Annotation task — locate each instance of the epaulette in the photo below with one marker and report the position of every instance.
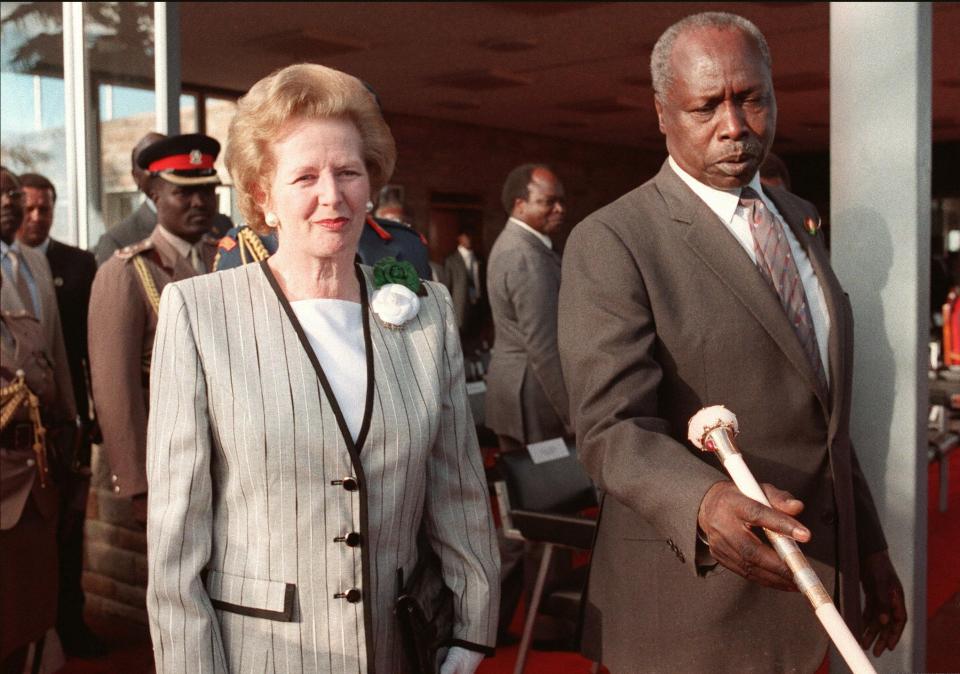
(384, 223)
(128, 252)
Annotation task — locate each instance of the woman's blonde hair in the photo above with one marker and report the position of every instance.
(302, 90)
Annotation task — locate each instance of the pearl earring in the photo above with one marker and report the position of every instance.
(369, 206)
(271, 219)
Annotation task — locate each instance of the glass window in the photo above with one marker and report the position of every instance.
(119, 37)
(219, 112)
(32, 135)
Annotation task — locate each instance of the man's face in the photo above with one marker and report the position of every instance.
(38, 216)
(544, 208)
(186, 211)
(720, 114)
(11, 207)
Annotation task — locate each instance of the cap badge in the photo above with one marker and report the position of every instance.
(196, 157)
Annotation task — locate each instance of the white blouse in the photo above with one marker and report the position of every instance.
(334, 329)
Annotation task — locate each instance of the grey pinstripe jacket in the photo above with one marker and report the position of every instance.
(255, 484)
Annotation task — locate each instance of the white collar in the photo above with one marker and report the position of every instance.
(722, 202)
(465, 252)
(544, 239)
(180, 245)
(43, 246)
(149, 202)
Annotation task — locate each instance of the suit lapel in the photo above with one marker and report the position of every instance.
(723, 255)
(353, 448)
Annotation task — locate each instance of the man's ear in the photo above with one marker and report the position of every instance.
(517, 203)
(659, 108)
(153, 190)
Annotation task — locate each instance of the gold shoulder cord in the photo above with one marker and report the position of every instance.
(146, 280)
(14, 396)
(153, 296)
(249, 240)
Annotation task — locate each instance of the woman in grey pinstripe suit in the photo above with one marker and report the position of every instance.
(297, 441)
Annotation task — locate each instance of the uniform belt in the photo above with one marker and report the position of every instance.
(17, 436)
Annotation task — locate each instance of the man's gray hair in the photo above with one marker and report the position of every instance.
(660, 71)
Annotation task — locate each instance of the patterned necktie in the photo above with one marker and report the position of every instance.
(776, 264)
(20, 280)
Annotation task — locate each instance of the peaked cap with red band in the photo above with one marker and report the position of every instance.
(182, 160)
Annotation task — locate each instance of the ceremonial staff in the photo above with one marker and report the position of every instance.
(712, 429)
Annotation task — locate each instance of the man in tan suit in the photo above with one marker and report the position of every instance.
(126, 296)
(33, 362)
(700, 287)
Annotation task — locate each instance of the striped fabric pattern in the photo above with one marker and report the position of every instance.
(246, 452)
(778, 267)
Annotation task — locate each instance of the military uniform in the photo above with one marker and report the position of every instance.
(241, 245)
(380, 238)
(38, 421)
(123, 310)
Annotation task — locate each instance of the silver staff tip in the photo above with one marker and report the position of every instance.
(709, 419)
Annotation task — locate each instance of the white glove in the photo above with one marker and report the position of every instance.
(461, 661)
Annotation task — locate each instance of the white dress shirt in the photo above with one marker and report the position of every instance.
(334, 329)
(726, 204)
(473, 268)
(544, 239)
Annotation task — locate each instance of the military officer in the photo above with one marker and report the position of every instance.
(126, 296)
(380, 238)
(37, 428)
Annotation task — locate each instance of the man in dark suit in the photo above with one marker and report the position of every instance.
(73, 270)
(463, 274)
(701, 287)
(140, 224)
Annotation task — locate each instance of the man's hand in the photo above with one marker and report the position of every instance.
(727, 518)
(884, 611)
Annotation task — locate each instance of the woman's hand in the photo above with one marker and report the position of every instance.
(461, 661)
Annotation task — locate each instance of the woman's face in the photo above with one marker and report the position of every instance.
(320, 187)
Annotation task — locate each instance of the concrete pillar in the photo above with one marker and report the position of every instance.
(880, 56)
(166, 37)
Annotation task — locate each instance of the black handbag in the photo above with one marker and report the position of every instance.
(424, 609)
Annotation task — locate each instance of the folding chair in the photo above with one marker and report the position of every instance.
(539, 503)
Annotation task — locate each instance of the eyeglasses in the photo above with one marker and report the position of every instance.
(13, 195)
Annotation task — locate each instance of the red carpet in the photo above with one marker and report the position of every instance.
(131, 644)
(943, 539)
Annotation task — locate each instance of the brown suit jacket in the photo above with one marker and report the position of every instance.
(661, 313)
(526, 397)
(122, 323)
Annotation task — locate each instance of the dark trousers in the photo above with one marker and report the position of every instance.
(73, 509)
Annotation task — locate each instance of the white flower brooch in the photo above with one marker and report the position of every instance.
(395, 299)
